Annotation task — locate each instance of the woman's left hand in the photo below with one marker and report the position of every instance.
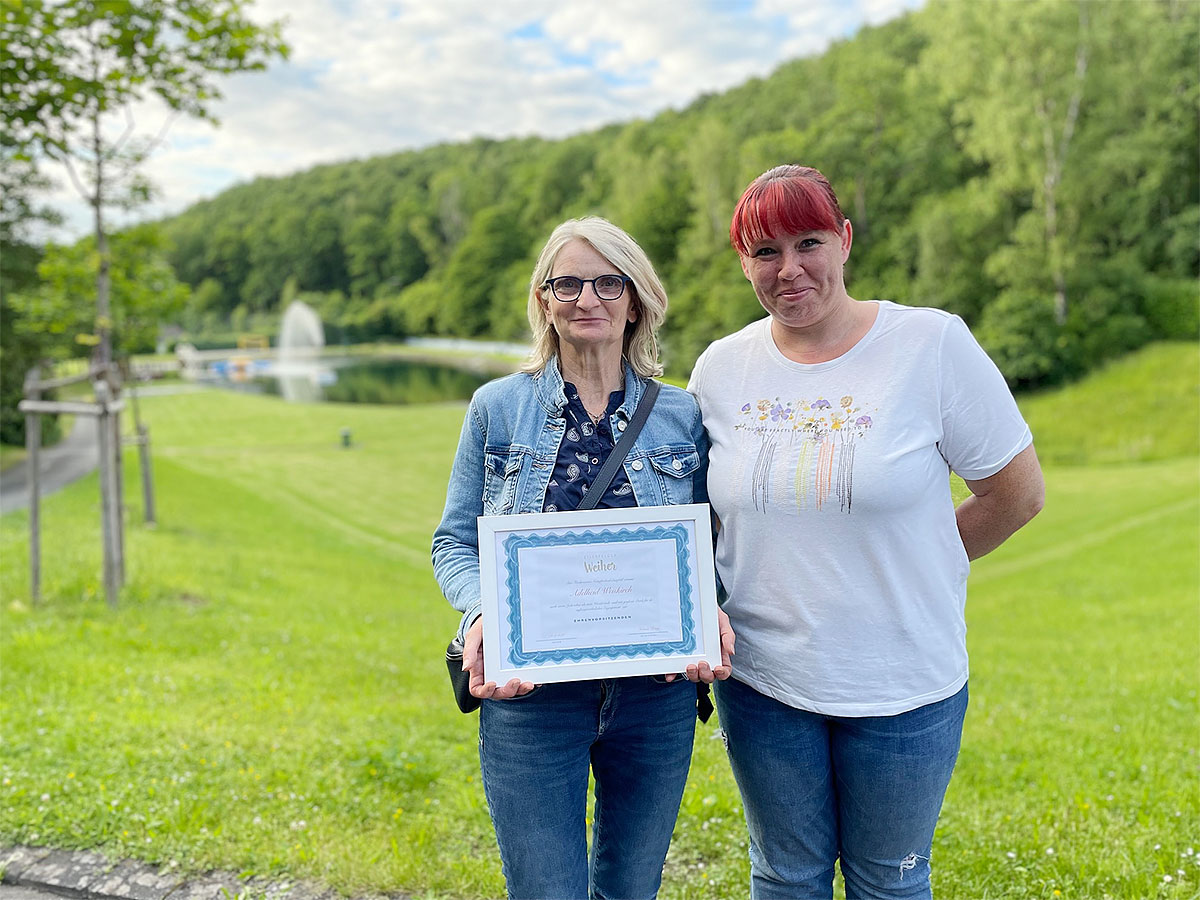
(702, 671)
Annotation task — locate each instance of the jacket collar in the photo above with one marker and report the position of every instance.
(548, 387)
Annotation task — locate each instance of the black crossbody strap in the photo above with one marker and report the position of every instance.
(621, 450)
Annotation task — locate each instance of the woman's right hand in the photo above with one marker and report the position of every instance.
(473, 663)
(701, 671)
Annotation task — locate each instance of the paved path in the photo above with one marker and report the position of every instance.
(65, 462)
(38, 873)
(73, 458)
(16, 892)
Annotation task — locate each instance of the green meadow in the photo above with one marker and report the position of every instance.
(270, 696)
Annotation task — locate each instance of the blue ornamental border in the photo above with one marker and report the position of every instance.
(517, 542)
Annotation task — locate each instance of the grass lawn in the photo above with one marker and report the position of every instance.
(1140, 407)
(270, 697)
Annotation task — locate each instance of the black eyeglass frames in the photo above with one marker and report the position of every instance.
(568, 288)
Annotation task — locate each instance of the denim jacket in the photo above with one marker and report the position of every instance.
(506, 453)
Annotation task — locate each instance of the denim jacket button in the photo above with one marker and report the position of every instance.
(676, 465)
(621, 425)
(636, 465)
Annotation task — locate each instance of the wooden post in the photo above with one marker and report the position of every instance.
(143, 441)
(118, 470)
(114, 382)
(109, 504)
(33, 443)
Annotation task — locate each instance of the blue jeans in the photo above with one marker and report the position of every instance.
(816, 788)
(636, 736)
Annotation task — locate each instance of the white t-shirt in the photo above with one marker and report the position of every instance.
(838, 545)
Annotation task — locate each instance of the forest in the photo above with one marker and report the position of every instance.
(1033, 167)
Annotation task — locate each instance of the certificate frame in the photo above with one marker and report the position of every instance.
(674, 542)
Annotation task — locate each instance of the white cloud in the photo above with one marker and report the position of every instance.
(367, 77)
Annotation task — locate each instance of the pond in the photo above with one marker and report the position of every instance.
(390, 382)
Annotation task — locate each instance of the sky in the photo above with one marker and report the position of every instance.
(370, 77)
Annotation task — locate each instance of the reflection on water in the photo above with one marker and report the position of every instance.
(390, 382)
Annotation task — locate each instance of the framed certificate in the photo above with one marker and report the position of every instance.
(605, 593)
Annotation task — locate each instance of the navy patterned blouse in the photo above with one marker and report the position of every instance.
(581, 455)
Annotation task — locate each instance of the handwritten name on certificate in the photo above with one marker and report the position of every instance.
(599, 595)
(604, 593)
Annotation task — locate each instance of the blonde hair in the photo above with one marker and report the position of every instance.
(640, 346)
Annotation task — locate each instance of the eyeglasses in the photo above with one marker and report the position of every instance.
(568, 288)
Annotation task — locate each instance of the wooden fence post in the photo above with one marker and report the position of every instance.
(110, 509)
(114, 382)
(143, 441)
(33, 444)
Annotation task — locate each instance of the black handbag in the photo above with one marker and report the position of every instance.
(460, 680)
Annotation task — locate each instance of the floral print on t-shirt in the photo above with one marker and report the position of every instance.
(824, 434)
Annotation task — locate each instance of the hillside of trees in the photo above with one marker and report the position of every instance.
(1032, 166)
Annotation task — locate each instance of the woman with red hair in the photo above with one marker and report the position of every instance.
(835, 424)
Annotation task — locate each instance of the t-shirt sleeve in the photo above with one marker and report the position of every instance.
(982, 429)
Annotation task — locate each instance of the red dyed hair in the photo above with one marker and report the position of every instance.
(788, 200)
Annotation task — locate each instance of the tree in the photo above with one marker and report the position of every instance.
(647, 191)
(1022, 112)
(20, 213)
(476, 269)
(710, 157)
(990, 154)
(144, 287)
(68, 67)
(1084, 115)
(19, 351)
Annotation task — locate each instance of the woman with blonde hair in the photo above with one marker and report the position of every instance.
(534, 442)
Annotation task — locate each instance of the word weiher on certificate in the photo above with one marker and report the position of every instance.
(597, 594)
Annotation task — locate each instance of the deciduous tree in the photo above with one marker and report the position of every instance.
(68, 68)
